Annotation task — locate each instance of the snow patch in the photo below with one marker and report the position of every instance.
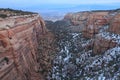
(111, 36)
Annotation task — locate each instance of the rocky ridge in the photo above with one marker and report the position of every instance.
(101, 26)
(89, 46)
(21, 37)
(84, 46)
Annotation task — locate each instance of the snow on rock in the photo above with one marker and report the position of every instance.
(75, 35)
(85, 43)
(113, 51)
(81, 65)
(111, 36)
(102, 29)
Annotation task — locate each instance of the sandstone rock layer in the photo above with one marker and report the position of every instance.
(103, 27)
(18, 47)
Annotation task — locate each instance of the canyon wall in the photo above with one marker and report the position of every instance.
(20, 38)
(89, 22)
(103, 27)
(27, 48)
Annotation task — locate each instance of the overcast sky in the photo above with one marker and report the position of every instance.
(23, 4)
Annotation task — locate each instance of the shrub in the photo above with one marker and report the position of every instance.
(3, 15)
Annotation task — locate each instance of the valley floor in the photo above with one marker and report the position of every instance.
(74, 62)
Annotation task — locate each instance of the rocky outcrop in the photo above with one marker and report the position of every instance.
(98, 26)
(94, 22)
(107, 36)
(47, 50)
(77, 18)
(93, 51)
(101, 44)
(27, 48)
(89, 22)
(115, 24)
(19, 43)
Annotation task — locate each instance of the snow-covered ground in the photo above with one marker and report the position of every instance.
(74, 63)
(111, 36)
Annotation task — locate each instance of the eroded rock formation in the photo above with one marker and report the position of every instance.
(21, 37)
(27, 48)
(90, 22)
(89, 47)
(115, 24)
(97, 25)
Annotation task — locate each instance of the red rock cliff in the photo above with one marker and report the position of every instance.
(90, 22)
(115, 24)
(103, 27)
(19, 37)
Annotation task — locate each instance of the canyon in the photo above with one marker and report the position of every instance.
(82, 46)
(25, 46)
(89, 44)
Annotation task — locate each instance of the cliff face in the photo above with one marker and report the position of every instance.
(19, 40)
(89, 44)
(98, 26)
(108, 36)
(90, 22)
(115, 24)
(27, 48)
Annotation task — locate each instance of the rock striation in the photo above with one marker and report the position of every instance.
(115, 24)
(27, 48)
(90, 22)
(89, 46)
(98, 26)
(19, 39)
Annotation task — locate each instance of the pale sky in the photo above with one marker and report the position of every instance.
(78, 1)
(26, 4)
(29, 2)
